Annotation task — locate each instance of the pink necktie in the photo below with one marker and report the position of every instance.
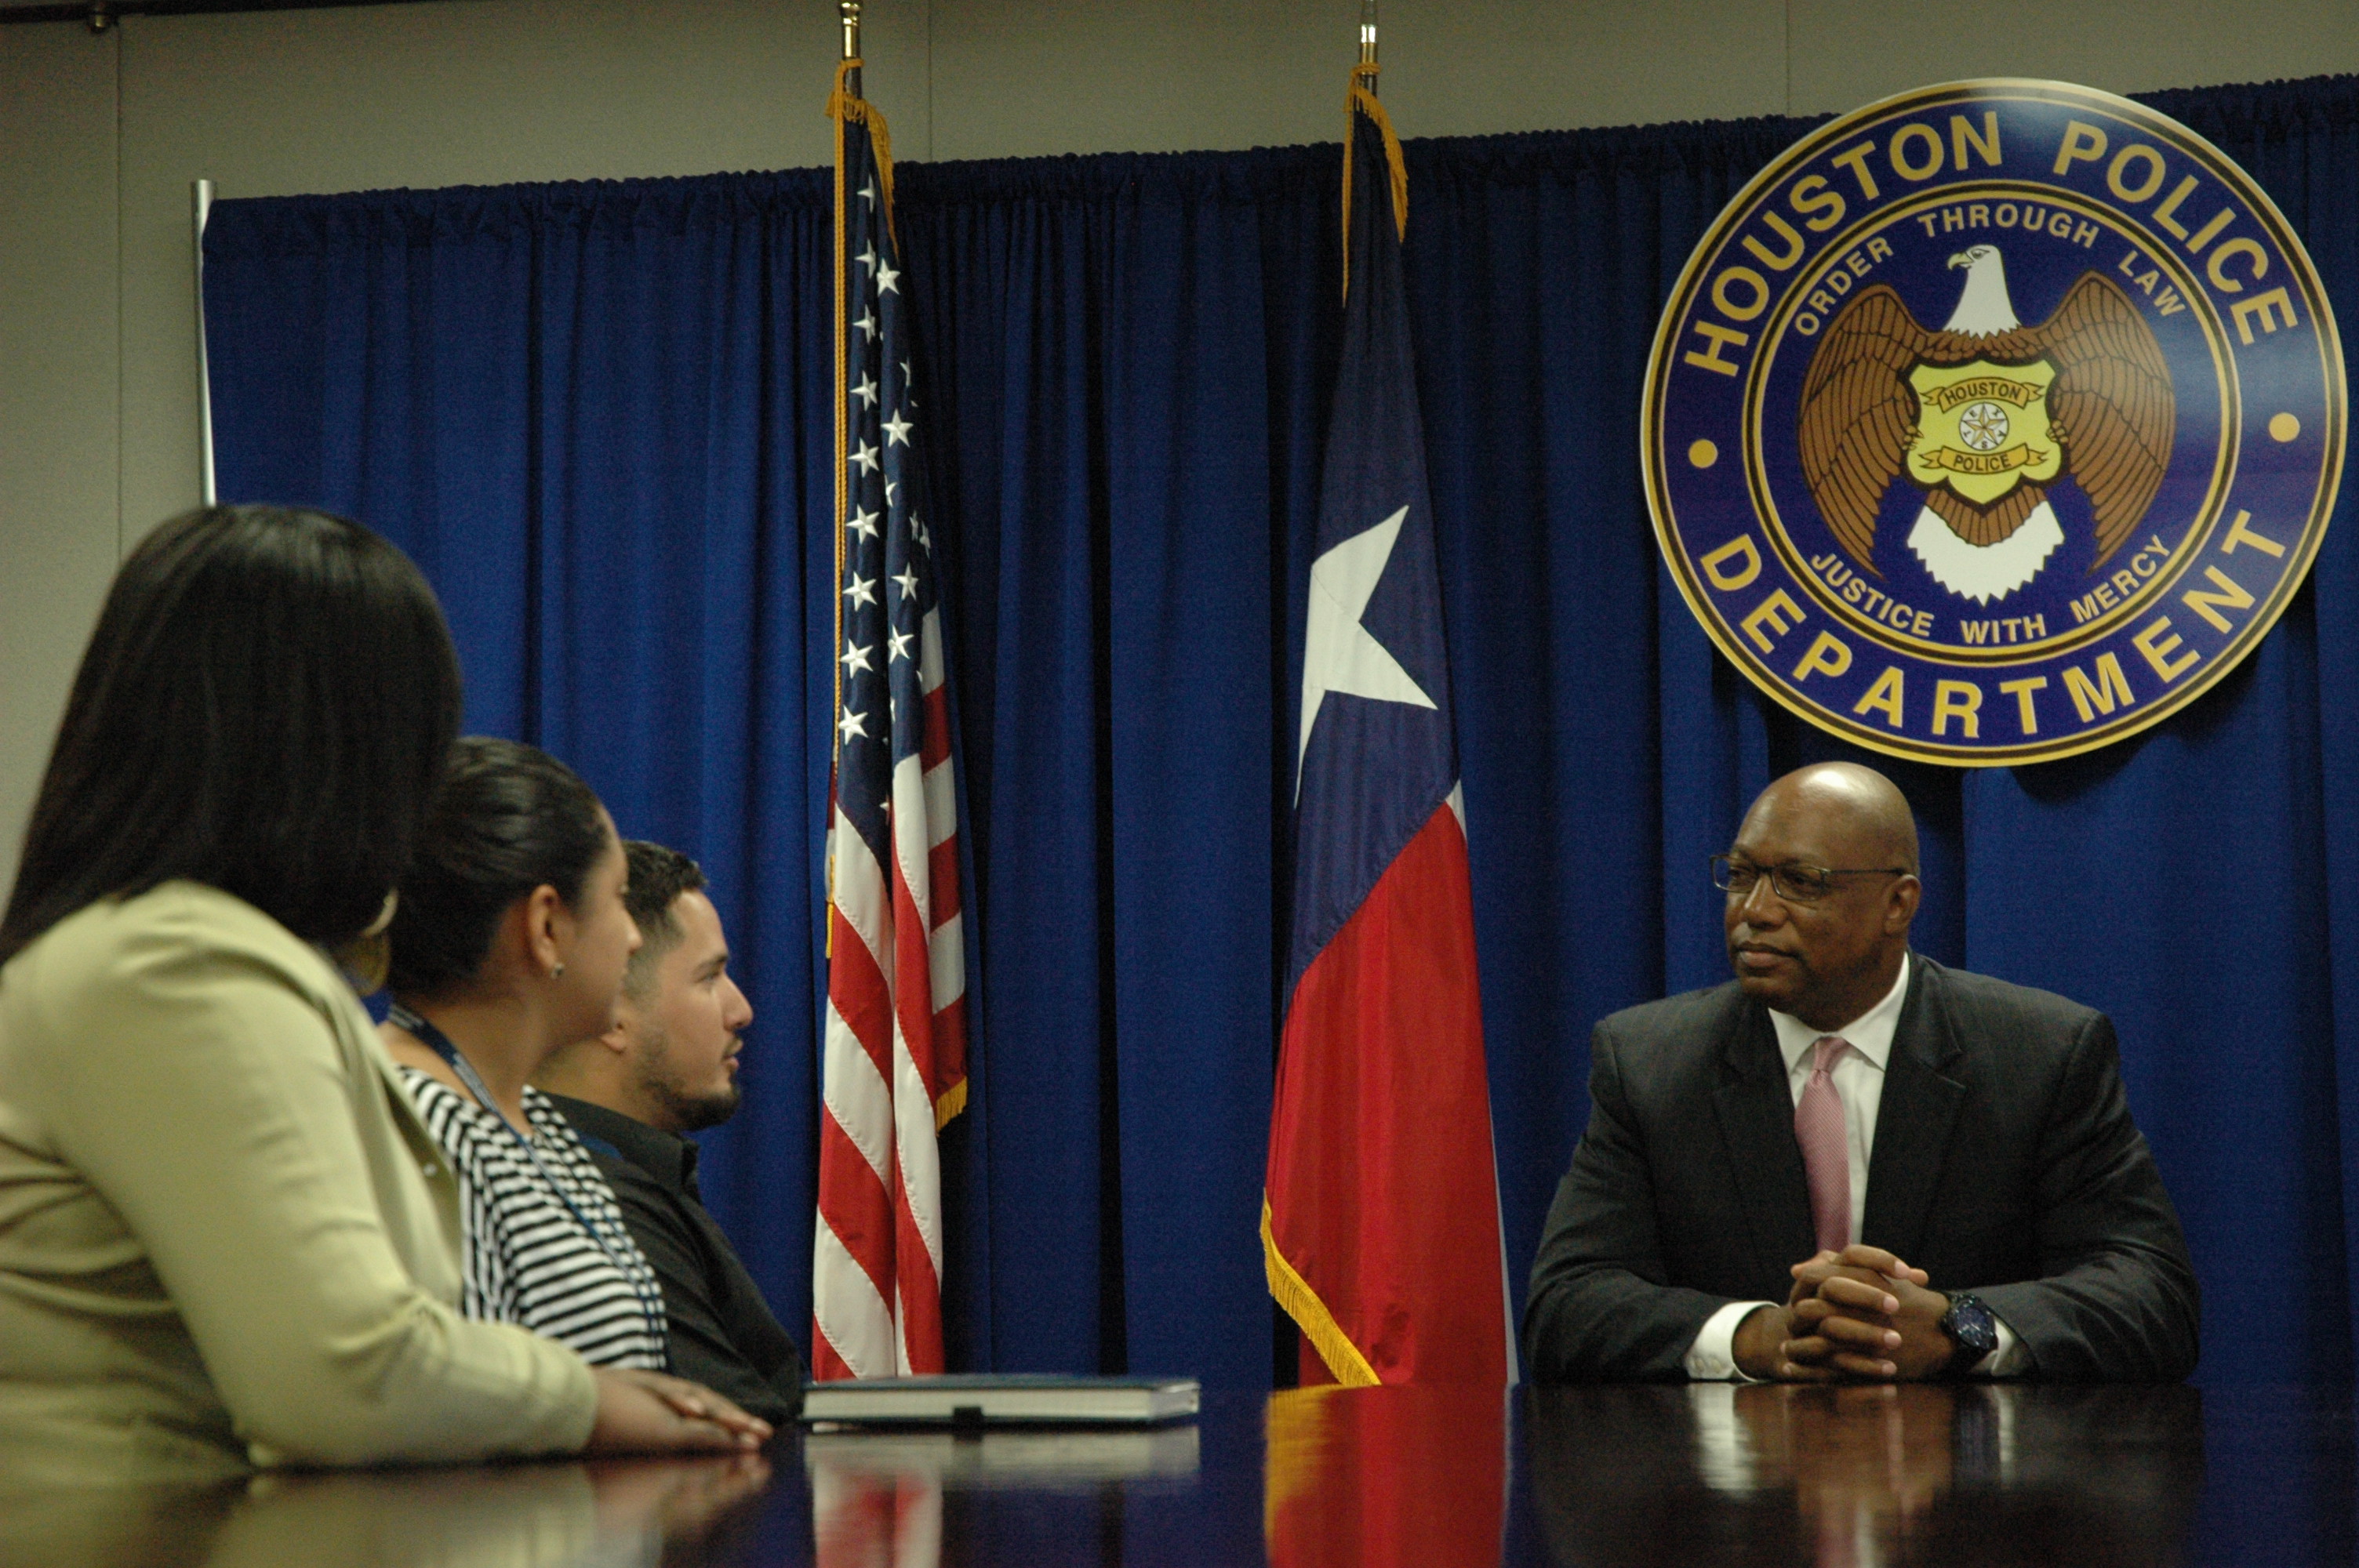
(1826, 1156)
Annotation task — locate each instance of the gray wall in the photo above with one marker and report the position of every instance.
(99, 137)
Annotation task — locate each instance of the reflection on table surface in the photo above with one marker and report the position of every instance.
(1927, 1473)
(1835, 1478)
(530, 1516)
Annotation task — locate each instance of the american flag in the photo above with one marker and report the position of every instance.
(896, 1052)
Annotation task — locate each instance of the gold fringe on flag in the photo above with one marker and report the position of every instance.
(953, 1101)
(1362, 99)
(1310, 1314)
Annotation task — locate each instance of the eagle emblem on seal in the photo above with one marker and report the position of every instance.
(1984, 415)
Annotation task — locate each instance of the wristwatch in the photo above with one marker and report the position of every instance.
(1972, 1329)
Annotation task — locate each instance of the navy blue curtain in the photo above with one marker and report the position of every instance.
(598, 416)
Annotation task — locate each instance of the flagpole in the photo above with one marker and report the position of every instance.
(848, 88)
(1363, 80)
(200, 206)
(850, 12)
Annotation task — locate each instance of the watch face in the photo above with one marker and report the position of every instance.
(1972, 1330)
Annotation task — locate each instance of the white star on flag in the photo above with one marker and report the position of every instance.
(1338, 653)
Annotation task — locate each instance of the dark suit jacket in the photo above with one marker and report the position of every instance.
(2006, 1163)
(720, 1331)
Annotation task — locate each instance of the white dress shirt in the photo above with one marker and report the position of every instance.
(1858, 1078)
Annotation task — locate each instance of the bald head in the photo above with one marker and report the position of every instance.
(1823, 886)
(1858, 813)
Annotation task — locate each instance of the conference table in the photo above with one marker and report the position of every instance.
(1848, 1477)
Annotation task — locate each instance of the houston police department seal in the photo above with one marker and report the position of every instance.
(1994, 422)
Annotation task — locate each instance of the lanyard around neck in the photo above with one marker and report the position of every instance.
(616, 1249)
(431, 1036)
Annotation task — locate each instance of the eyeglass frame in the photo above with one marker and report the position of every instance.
(1725, 866)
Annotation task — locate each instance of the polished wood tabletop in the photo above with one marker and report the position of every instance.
(1659, 1475)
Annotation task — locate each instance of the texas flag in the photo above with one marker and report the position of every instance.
(1380, 1217)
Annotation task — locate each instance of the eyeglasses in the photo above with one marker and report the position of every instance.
(1796, 882)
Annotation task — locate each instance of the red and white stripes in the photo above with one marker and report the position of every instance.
(895, 1070)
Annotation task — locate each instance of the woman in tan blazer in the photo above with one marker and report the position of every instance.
(226, 1240)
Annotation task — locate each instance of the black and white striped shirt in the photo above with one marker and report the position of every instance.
(528, 1259)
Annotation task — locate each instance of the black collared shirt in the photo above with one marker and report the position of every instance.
(722, 1334)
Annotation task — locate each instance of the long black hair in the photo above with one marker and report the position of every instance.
(508, 818)
(265, 706)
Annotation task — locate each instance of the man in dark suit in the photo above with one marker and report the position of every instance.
(1761, 1156)
(668, 1067)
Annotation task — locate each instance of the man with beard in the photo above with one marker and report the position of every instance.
(1761, 1156)
(668, 1067)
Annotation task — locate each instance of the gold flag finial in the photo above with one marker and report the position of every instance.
(1361, 99)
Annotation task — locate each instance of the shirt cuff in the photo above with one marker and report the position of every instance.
(1712, 1358)
(2011, 1359)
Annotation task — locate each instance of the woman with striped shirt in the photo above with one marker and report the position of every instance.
(508, 943)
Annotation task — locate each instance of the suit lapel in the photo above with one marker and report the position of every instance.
(1913, 1122)
(1756, 1125)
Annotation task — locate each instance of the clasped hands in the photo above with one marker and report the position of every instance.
(1857, 1316)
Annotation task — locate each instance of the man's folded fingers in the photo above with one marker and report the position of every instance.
(1804, 1372)
(1852, 1333)
(1867, 1366)
(1847, 1292)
